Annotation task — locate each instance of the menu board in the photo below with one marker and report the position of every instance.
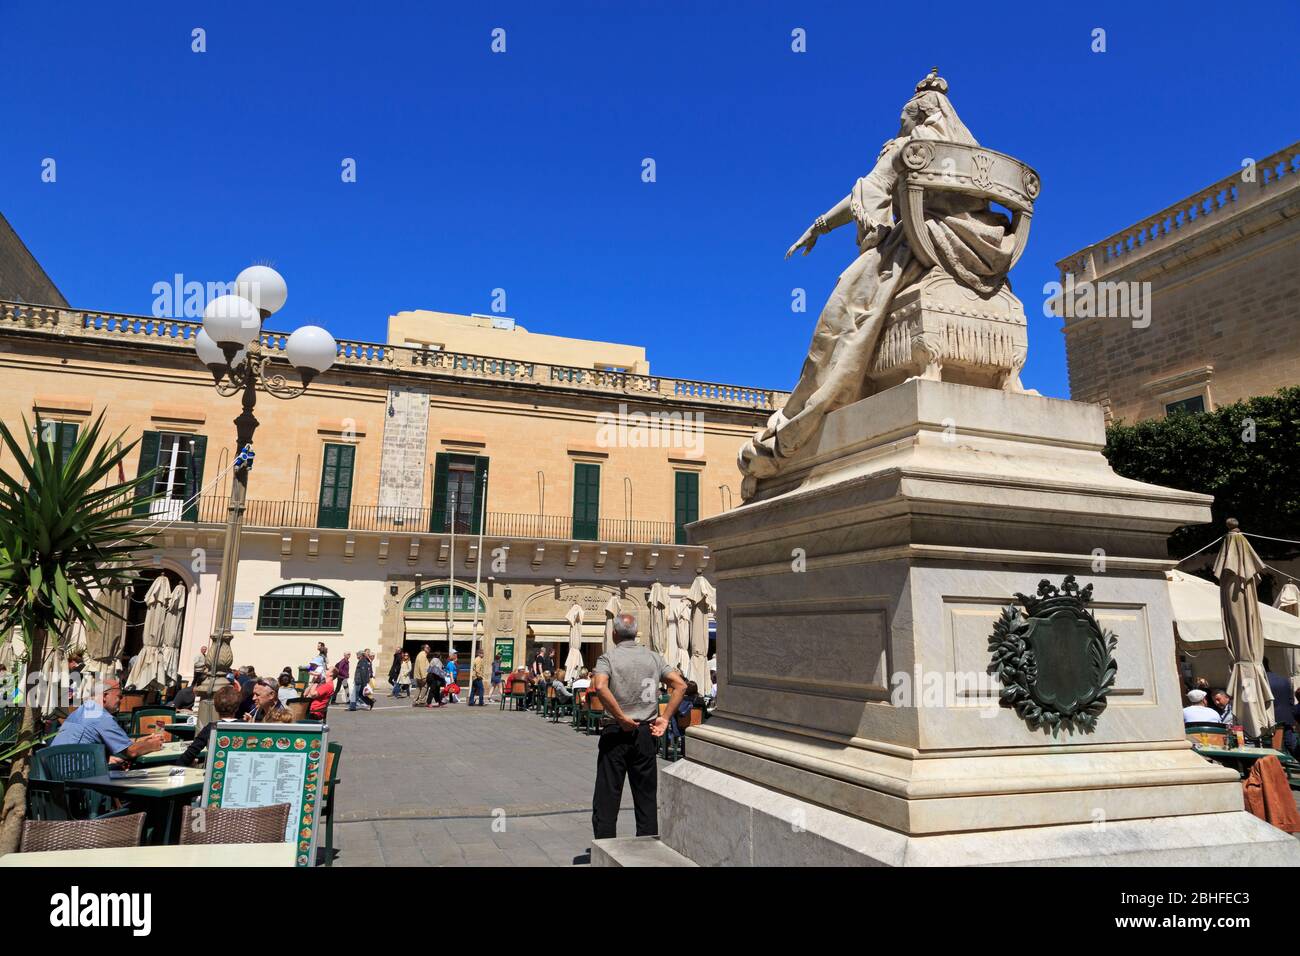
(260, 765)
(506, 649)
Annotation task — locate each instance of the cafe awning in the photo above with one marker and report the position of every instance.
(1198, 618)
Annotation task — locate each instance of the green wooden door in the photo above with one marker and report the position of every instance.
(586, 501)
(686, 502)
(336, 486)
(466, 477)
(194, 476)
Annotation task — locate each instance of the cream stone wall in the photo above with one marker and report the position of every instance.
(1223, 268)
(143, 375)
(476, 335)
(522, 431)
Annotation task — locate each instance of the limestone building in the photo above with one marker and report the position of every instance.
(579, 467)
(1193, 307)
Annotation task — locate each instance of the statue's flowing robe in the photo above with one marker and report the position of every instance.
(972, 242)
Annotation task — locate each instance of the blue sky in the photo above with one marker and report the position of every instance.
(522, 170)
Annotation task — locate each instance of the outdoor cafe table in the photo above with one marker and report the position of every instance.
(243, 855)
(170, 753)
(157, 793)
(180, 731)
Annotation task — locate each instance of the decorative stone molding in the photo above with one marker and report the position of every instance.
(62, 404)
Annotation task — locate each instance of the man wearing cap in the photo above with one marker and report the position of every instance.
(1196, 712)
(626, 678)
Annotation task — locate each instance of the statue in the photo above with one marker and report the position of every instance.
(928, 292)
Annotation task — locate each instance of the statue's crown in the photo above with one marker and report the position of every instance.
(933, 81)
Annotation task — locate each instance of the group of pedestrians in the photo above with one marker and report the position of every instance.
(437, 677)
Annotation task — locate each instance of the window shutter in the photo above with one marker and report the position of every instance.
(438, 519)
(194, 478)
(686, 502)
(586, 501)
(480, 493)
(67, 439)
(148, 464)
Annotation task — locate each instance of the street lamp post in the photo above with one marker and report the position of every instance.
(230, 346)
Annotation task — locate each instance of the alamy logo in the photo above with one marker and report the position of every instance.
(1103, 300)
(74, 908)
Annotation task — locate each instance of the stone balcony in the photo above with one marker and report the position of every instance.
(612, 549)
(1276, 180)
(178, 335)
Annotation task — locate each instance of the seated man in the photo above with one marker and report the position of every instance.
(1223, 704)
(562, 692)
(93, 723)
(1196, 712)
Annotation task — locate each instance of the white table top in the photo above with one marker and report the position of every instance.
(244, 855)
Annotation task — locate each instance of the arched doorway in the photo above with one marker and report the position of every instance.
(429, 611)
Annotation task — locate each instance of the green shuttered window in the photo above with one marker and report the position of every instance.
(336, 486)
(686, 502)
(586, 501)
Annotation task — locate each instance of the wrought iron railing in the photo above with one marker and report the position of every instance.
(262, 513)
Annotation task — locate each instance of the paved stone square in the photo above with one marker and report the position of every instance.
(424, 787)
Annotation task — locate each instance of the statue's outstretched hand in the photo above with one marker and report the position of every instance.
(806, 243)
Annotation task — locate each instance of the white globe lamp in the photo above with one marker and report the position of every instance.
(264, 287)
(311, 350)
(210, 354)
(231, 322)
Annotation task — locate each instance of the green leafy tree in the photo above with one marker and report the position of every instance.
(1246, 454)
(67, 532)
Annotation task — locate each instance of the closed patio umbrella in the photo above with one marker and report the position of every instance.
(1237, 568)
(151, 665)
(680, 648)
(573, 663)
(701, 597)
(612, 607)
(106, 635)
(1288, 602)
(173, 625)
(659, 619)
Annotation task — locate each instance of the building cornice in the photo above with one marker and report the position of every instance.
(394, 362)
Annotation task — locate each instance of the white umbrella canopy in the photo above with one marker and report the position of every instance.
(702, 598)
(1237, 568)
(659, 618)
(1198, 615)
(151, 666)
(612, 608)
(573, 663)
(1288, 599)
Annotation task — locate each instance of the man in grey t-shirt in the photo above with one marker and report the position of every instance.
(626, 678)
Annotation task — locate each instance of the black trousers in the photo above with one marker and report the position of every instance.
(631, 754)
(435, 690)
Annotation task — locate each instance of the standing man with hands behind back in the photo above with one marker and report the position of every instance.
(626, 678)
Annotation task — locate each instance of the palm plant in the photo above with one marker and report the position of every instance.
(66, 535)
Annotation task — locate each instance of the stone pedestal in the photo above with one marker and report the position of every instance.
(857, 593)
